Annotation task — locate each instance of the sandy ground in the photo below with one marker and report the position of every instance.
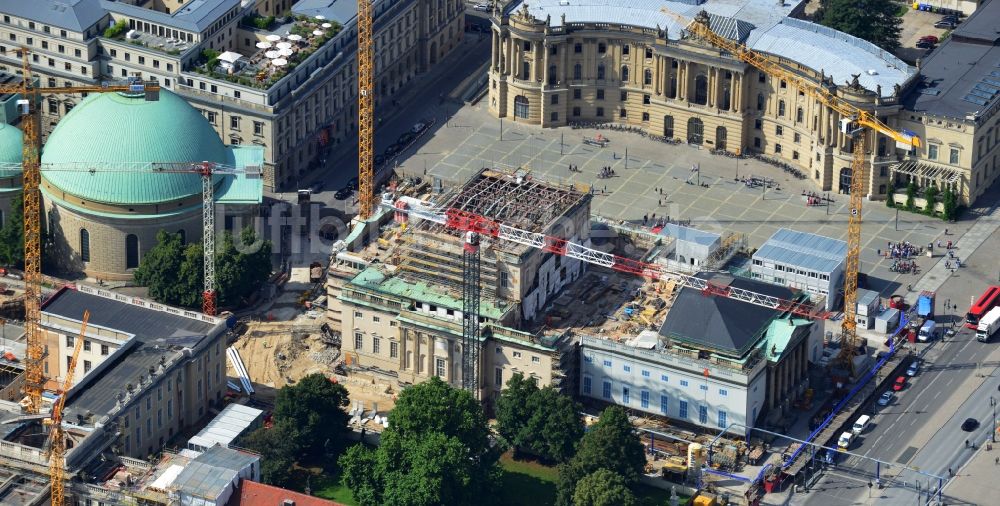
(278, 354)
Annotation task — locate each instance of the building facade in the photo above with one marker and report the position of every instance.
(802, 261)
(293, 113)
(557, 63)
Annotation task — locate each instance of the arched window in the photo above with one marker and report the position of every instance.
(647, 77)
(600, 71)
(84, 245)
(131, 251)
(577, 71)
(781, 108)
(799, 115)
(720, 138)
(668, 126)
(624, 73)
(183, 235)
(696, 131)
(521, 107)
(701, 89)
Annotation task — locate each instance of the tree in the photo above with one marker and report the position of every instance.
(890, 200)
(513, 407)
(314, 406)
(603, 488)
(949, 203)
(436, 450)
(241, 268)
(278, 449)
(871, 20)
(610, 444)
(12, 234)
(911, 195)
(159, 268)
(930, 196)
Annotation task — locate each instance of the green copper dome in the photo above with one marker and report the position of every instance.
(11, 142)
(110, 128)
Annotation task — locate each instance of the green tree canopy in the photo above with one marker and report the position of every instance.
(890, 199)
(436, 450)
(12, 234)
(541, 422)
(911, 195)
(159, 270)
(603, 488)
(610, 444)
(278, 450)
(315, 406)
(871, 20)
(241, 268)
(950, 204)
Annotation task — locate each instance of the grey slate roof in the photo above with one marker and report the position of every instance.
(961, 78)
(208, 474)
(721, 324)
(193, 16)
(74, 15)
(157, 335)
(802, 249)
(340, 11)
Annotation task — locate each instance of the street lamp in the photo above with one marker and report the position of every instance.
(993, 433)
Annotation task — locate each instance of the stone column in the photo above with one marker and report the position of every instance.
(713, 84)
(545, 82)
(682, 81)
(733, 86)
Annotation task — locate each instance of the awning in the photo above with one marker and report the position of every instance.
(926, 170)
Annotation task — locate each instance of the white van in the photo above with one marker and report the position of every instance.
(927, 331)
(860, 425)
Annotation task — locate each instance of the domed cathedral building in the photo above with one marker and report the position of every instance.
(11, 142)
(556, 62)
(101, 222)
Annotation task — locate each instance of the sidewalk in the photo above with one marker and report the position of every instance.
(976, 482)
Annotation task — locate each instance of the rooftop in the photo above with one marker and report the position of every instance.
(961, 78)
(802, 249)
(688, 234)
(226, 426)
(208, 474)
(422, 291)
(340, 11)
(194, 16)
(75, 15)
(762, 25)
(252, 493)
(160, 335)
(721, 324)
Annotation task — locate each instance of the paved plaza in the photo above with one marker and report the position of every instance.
(468, 138)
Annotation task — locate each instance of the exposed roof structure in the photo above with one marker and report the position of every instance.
(720, 324)
(135, 131)
(194, 16)
(75, 15)
(762, 25)
(961, 78)
(927, 170)
(210, 473)
(252, 493)
(159, 337)
(802, 249)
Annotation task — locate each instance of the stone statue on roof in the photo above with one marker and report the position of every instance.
(525, 14)
(855, 83)
(878, 90)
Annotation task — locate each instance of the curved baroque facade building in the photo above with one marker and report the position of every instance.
(556, 62)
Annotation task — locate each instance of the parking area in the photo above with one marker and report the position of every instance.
(656, 180)
(917, 24)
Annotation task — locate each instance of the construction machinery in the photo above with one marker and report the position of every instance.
(854, 122)
(32, 210)
(366, 110)
(57, 438)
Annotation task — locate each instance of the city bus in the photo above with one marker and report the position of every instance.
(989, 300)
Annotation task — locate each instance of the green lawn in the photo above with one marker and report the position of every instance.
(323, 483)
(530, 483)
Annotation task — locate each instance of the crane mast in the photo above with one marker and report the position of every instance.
(366, 110)
(57, 438)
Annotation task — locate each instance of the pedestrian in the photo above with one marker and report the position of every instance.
(996, 462)
(605, 188)
(966, 443)
(659, 202)
(950, 472)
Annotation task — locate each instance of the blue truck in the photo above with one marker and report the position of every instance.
(925, 304)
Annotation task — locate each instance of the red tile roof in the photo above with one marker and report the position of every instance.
(252, 493)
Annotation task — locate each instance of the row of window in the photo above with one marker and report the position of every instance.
(953, 153)
(71, 343)
(607, 363)
(131, 248)
(32, 26)
(644, 400)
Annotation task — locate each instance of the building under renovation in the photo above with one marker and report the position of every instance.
(399, 301)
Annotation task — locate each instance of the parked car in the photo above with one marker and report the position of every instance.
(405, 138)
(886, 398)
(343, 193)
(924, 44)
(391, 150)
(930, 38)
(482, 8)
(899, 384)
(353, 183)
(947, 25)
(379, 160)
(970, 424)
(913, 369)
(418, 127)
(950, 17)
(317, 187)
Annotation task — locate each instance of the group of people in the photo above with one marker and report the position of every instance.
(574, 168)
(813, 198)
(901, 250)
(606, 172)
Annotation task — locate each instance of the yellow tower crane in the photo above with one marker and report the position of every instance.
(31, 177)
(855, 122)
(57, 438)
(366, 110)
